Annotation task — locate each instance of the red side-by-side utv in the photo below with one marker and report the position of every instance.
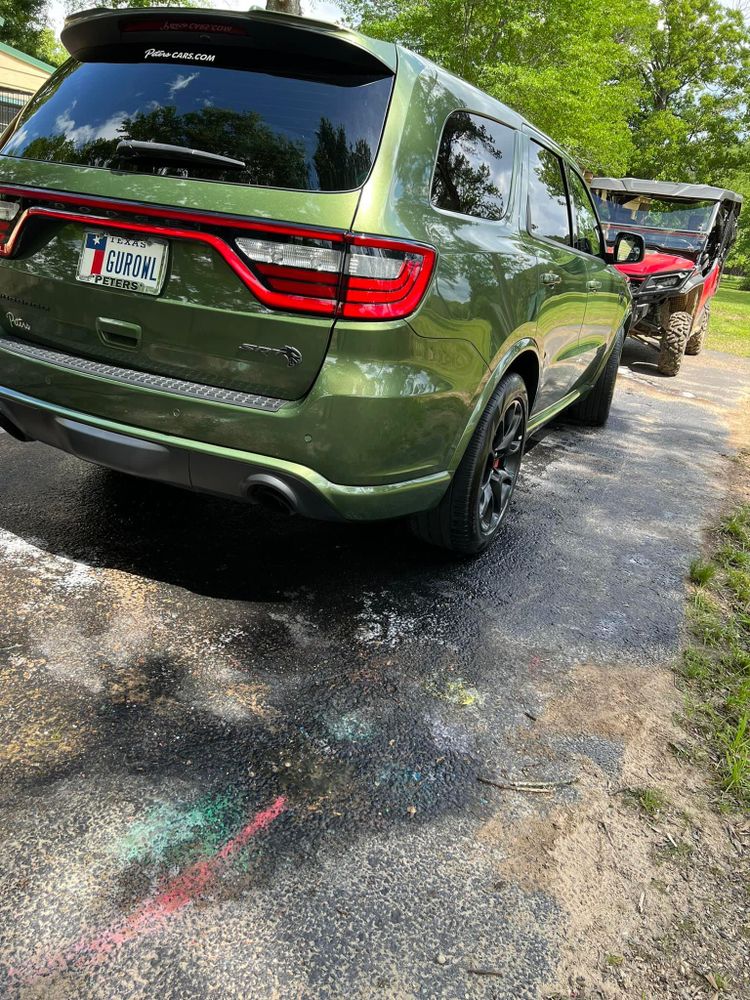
(688, 230)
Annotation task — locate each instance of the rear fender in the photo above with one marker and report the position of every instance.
(526, 344)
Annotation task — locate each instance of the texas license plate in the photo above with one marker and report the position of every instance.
(128, 265)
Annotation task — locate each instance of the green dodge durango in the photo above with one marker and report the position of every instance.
(269, 258)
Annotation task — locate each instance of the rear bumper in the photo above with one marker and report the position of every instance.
(210, 468)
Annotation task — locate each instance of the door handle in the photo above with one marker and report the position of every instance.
(550, 278)
(593, 286)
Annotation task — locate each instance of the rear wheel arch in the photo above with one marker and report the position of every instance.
(522, 359)
(526, 364)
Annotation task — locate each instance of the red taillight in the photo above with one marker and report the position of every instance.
(385, 279)
(300, 272)
(286, 267)
(360, 277)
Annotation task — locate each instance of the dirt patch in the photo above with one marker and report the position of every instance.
(650, 876)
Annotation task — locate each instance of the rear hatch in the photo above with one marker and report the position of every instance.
(176, 199)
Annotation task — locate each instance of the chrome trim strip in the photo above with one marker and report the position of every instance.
(142, 380)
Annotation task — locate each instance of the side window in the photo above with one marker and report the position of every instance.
(548, 201)
(588, 236)
(474, 167)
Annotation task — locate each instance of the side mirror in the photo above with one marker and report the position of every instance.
(630, 248)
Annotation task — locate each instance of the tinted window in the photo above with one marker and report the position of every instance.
(587, 227)
(548, 203)
(474, 167)
(303, 129)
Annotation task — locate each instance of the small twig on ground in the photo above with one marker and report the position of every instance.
(640, 902)
(604, 827)
(484, 972)
(539, 787)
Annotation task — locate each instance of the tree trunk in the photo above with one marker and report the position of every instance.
(285, 6)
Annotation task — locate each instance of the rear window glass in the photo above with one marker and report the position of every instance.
(312, 131)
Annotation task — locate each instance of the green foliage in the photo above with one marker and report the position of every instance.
(25, 26)
(692, 111)
(49, 49)
(569, 66)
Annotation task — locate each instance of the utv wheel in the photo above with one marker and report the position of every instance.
(593, 409)
(696, 339)
(470, 514)
(673, 343)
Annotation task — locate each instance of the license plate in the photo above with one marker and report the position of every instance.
(128, 265)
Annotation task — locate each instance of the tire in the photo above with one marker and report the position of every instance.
(593, 409)
(673, 343)
(697, 338)
(470, 514)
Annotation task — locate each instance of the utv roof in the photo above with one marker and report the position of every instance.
(667, 189)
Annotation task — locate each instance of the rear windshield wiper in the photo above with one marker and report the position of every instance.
(179, 154)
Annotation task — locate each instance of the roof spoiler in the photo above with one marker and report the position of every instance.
(88, 32)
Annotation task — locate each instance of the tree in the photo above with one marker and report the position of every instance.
(50, 49)
(25, 28)
(285, 6)
(692, 118)
(569, 66)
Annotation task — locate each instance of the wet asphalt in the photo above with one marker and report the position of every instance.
(239, 752)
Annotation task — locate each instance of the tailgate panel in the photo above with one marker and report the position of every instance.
(195, 330)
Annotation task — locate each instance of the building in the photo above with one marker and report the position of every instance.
(20, 77)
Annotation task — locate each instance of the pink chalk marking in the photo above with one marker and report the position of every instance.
(154, 913)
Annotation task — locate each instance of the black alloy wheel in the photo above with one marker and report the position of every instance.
(502, 465)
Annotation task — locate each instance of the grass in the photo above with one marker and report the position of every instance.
(701, 572)
(650, 800)
(732, 280)
(716, 664)
(729, 329)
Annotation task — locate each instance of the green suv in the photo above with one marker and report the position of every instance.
(270, 258)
